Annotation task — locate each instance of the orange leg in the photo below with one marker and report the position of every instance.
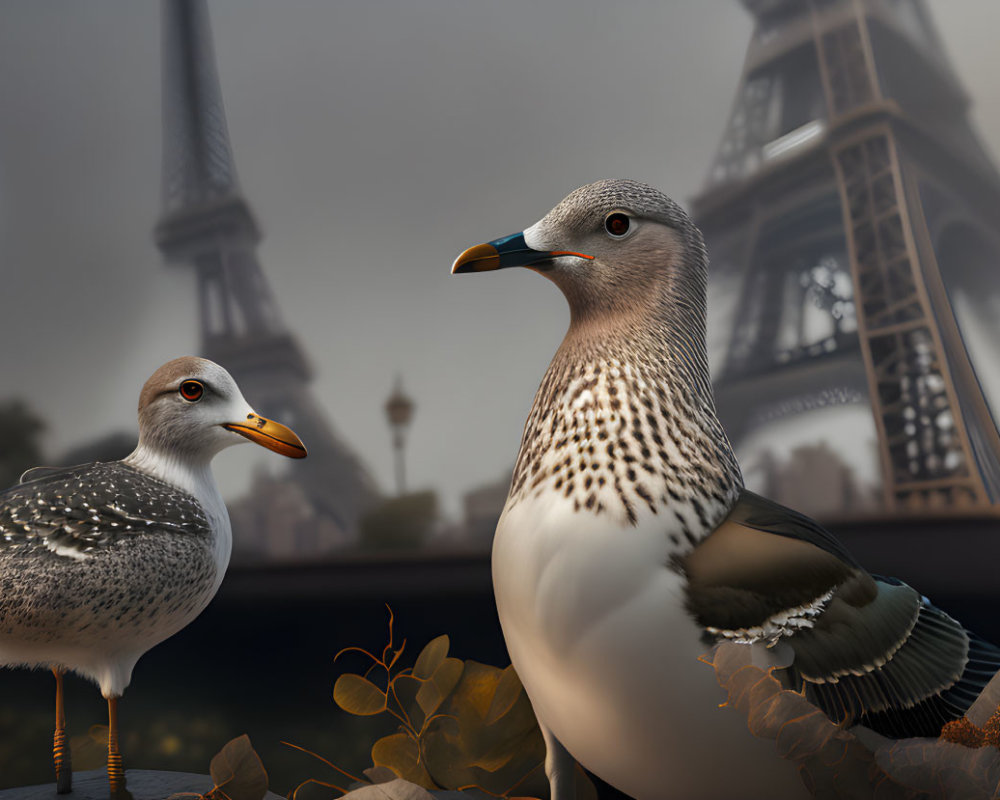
(116, 772)
(60, 747)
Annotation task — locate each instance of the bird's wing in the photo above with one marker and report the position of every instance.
(866, 648)
(763, 562)
(78, 511)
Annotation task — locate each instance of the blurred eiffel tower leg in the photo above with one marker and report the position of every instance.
(938, 442)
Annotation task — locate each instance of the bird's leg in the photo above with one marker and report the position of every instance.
(560, 767)
(60, 749)
(116, 772)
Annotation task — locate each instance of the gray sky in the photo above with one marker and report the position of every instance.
(375, 139)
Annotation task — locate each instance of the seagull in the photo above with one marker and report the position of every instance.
(628, 543)
(100, 562)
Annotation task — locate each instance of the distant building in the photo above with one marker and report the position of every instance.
(483, 507)
(276, 522)
(816, 481)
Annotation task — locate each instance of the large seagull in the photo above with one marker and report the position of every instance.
(628, 543)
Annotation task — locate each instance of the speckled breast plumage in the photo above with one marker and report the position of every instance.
(611, 436)
(100, 553)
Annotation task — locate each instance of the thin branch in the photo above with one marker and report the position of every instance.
(398, 653)
(392, 687)
(356, 650)
(406, 724)
(433, 717)
(320, 758)
(318, 783)
(391, 620)
(523, 778)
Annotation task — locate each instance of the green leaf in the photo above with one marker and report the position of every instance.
(431, 657)
(399, 753)
(491, 762)
(441, 725)
(238, 772)
(508, 690)
(446, 760)
(474, 694)
(406, 688)
(498, 747)
(358, 695)
(433, 692)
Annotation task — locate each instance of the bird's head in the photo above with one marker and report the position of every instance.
(613, 247)
(191, 408)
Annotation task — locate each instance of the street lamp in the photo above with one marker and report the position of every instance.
(399, 410)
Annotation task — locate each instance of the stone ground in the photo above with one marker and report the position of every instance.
(152, 785)
(143, 784)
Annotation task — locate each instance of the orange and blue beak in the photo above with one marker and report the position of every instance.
(510, 251)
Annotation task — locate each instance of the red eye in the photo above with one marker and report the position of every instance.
(617, 224)
(192, 390)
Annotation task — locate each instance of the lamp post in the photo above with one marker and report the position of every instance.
(399, 410)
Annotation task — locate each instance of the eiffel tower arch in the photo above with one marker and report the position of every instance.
(207, 225)
(849, 210)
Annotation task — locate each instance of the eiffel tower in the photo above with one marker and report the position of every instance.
(207, 224)
(849, 205)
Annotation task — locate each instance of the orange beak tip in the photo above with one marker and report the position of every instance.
(480, 258)
(272, 435)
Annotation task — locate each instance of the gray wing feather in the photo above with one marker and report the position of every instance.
(76, 511)
(863, 645)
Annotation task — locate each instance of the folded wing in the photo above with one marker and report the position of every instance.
(867, 649)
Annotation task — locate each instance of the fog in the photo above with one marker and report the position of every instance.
(375, 140)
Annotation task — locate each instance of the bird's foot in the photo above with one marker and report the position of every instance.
(64, 768)
(64, 781)
(116, 777)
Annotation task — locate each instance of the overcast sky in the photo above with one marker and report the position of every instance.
(375, 139)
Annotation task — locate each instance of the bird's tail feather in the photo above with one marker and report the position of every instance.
(892, 700)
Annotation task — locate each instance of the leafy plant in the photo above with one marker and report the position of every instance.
(834, 763)
(461, 724)
(237, 773)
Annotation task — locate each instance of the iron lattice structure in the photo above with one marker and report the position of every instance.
(849, 206)
(208, 225)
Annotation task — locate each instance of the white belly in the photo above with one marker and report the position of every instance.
(596, 629)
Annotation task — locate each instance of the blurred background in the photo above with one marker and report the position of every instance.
(284, 189)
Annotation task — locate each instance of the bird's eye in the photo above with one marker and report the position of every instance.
(192, 390)
(617, 224)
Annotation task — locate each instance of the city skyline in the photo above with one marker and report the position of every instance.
(373, 147)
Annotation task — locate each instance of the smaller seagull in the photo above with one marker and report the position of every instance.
(100, 562)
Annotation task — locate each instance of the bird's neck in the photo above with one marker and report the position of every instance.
(624, 423)
(189, 472)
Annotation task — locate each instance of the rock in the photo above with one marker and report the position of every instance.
(397, 789)
(385, 786)
(143, 784)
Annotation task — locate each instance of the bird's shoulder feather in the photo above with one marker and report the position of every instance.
(77, 511)
(764, 560)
